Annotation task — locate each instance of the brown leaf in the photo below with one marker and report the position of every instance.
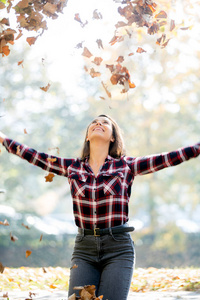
(28, 253)
(120, 59)
(45, 88)
(161, 15)
(79, 45)
(50, 8)
(97, 15)
(19, 35)
(72, 297)
(107, 91)
(120, 24)
(5, 21)
(86, 52)
(31, 40)
(49, 177)
(131, 84)
(41, 237)
(99, 43)
(25, 131)
(20, 63)
(78, 19)
(85, 295)
(44, 270)
(74, 266)
(5, 50)
(25, 226)
(13, 238)
(5, 295)
(172, 25)
(5, 223)
(51, 159)
(130, 54)
(97, 61)
(140, 50)
(1, 268)
(18, 150)
(93, 73)
(102, 98)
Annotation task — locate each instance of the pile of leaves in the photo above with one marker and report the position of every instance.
(86, 293)
(144, 280)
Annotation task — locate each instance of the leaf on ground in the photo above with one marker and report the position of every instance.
(49, 177)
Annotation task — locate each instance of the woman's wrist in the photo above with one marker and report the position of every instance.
(2, 137)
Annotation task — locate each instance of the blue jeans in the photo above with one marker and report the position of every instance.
(106, 262)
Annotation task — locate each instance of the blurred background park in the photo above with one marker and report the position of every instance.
(161, 114)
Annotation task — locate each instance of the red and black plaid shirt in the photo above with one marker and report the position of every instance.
(102, 201)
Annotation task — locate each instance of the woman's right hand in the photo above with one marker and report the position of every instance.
(2, 137)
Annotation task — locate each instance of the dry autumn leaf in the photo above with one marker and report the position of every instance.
(1, 268)
(97, 15)
(51, 159)
(49, 177)
(97, 61)
(27, 227)
(140, 50)
(93, 73)
(13, 238)
(74, 266)
(31, 40)
(28, 253)
(20, 63)
(25, 131)
(5, 223)
(172, 25)
(41, 237)
(161, 15)
(99, 43)
(78, 19)
(45, 88)
(86, 52)
(105, 88)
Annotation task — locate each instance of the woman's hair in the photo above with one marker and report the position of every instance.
(116, 148)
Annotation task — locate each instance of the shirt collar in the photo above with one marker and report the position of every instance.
(107, 158)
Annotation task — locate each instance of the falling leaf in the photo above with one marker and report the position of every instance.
(52, 286)
(18, 150)
(130, 54)
(107, 91)
(161, 15)
(120, 59)
(93, 73)
(172, 25)
(31, 40)
(5, 21)
(97, 15)
(6, 296)
(44, 270)
(79, 45)
(45, 88)
(49, 177)
(78, 19)
(72, 297)
(1, 268)
(19, 35)
(20, 63)
(41, 237)
(74, 266)
(25, 131)
(102, 98)
(28, 253)
(13, 238)
(140, 50)
(5, 50)
(99, 43)
(25, 226)
(51, 159)
(120, 24)
(86, 52)
(185, 28)
(97, 61)
(5, 223)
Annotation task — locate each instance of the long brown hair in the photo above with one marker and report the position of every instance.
(116, 148)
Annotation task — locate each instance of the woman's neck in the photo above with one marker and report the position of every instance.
(98, 153)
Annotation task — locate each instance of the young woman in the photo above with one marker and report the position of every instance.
(100, 183)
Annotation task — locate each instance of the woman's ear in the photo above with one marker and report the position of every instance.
(112, 139)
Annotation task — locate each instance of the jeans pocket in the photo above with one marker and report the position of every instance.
(79, 238)
(121, 237)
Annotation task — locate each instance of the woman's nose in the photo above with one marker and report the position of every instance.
(99, 123)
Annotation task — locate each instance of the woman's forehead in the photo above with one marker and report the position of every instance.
(101, 118)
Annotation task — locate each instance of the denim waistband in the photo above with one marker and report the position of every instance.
(103, 231)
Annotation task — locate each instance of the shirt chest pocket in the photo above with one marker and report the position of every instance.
(77, 184)
(112, 183)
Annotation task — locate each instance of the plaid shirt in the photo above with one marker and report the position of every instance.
(101, 201)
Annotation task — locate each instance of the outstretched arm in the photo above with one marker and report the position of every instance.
(47, 162)
(153, 163)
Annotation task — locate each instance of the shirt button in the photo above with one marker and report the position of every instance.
(95, 212)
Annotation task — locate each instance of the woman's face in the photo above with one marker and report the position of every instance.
(100, 128)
